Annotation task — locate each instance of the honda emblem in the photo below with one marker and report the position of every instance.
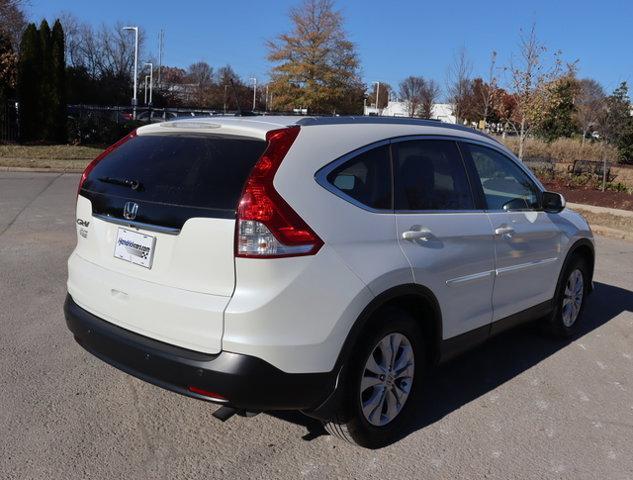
(130, 210)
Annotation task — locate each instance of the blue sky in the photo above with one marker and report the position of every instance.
(394, 39)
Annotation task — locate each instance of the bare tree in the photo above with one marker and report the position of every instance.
(590, 105)
(200, 73)
(411, 89)
(489, 89)
(429, 95)
(459, 84)
(384, 94)
(12, 20)
(201, 76)
(528, 78)
(107, 51)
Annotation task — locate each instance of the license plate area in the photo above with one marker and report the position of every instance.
(135, 247)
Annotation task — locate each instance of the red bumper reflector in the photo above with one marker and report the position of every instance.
(206, 393)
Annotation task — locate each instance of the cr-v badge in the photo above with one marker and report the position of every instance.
(129, 210)
(83, 227)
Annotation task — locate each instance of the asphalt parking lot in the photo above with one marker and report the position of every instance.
(522, 406)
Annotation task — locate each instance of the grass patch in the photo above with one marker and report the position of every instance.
(40, 163)
(53, 157)
(608, 220)
(49, 152)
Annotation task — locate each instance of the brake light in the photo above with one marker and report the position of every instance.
(102, 155)
(267, 227)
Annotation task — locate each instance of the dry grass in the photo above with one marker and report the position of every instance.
(608, 220)
(68, 158)
(54, 165)
(49, 152)
(564, 150)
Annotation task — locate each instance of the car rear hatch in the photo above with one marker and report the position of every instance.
(156, 232)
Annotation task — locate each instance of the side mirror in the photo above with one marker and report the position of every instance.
(553, 202)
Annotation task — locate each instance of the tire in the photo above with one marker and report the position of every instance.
(379, 426)
(565, 321)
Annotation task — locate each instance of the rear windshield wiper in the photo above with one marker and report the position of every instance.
(133, 184)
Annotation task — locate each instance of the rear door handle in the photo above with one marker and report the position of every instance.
(416, 232)
(504, 230)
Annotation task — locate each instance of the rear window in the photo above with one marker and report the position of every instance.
(195, 170)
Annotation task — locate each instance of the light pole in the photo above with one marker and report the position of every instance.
(145, 98)
(134, 99)
(254, 92)
(377, 95)
(225, 87)
(266, 107)
(151, 80)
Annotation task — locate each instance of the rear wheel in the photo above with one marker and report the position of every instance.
(570, 299)
(381, 383)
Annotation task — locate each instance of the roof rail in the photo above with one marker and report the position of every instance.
(374, 119)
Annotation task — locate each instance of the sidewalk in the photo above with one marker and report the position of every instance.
(609, 222)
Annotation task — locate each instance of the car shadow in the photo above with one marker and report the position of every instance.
(452, 385)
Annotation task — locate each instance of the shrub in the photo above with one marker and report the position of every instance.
(91, 130)
(619, 187)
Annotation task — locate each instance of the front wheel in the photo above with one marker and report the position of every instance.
(382, 383)
(570, 299)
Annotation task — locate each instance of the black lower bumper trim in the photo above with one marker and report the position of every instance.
(246, 382)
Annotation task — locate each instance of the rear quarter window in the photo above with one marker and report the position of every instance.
(366, 178)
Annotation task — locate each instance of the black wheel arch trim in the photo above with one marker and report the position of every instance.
(580, 243)
(378, 302)
(326, 410)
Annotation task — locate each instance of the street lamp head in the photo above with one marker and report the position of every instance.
(130, 28)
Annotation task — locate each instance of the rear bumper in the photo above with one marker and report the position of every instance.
(242, 381)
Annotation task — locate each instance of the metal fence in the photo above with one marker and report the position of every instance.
(9, 131)
(120, 114)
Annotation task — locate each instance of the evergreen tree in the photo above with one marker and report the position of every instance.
(58, 60)
(618, 123)
(29, 74)
(316, 66)
(47, 93)
(7, 77)
(7, 67)
(558, 108)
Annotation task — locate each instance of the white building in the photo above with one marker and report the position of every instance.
(440, 111)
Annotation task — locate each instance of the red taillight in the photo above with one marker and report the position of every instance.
(206, 393)
(103, 154)
(267, 226)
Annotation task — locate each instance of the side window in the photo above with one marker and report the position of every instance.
(505, 185)
(430, 175)
(366, 178)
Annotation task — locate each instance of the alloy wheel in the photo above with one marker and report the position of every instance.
(572, 299)
(387, 379)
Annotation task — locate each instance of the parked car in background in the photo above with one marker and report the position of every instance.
(156, 116)
(315, 264)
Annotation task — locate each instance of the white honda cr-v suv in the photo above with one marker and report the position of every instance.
(317, 264)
